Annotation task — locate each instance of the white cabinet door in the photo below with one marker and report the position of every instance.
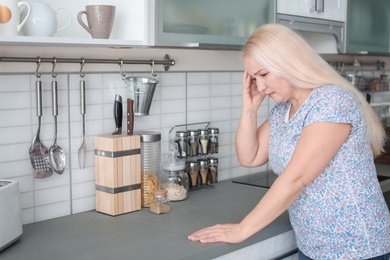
(322, 9)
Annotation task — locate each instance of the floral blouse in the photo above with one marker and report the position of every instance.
(341, 214)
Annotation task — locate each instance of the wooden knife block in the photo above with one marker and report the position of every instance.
(118, 173)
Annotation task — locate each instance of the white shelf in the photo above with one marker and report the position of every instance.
(67, 42)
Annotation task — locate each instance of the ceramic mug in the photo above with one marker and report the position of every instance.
(100, 19)
(10, 23)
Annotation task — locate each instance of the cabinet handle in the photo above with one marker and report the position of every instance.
(318, 6)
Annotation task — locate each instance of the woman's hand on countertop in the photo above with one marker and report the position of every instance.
(225, 233)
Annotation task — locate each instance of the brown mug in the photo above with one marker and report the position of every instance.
(100, 19)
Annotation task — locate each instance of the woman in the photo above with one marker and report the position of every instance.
(321, 139)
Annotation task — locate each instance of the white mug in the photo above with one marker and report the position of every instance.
(10, 23)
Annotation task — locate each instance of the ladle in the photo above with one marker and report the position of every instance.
(56, 153)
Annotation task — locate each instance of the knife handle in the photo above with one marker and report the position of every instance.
(130, 116)
(118, 114)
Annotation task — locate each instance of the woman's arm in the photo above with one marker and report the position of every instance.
(251, 142)
(318, 144)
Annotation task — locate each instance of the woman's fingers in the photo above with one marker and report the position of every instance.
(228, 233)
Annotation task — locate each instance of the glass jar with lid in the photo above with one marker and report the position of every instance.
(203, 171)
(182, 143)
(203, 141)
(193, 173)
(192, 143)
(213, 169)
(150, 164)
(173, 178)
(213, 140)
(160, 204)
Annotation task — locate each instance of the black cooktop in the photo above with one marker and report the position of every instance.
(262, 179)
(265, 179)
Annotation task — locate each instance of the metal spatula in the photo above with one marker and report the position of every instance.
(39, 154)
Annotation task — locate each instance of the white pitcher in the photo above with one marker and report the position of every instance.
(10, 23)
(43, 20)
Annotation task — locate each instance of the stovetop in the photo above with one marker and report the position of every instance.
(265, 179)
(262, 179)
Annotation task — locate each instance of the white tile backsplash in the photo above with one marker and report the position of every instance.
(180, 98)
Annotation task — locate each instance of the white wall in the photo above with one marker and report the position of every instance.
(180, 98)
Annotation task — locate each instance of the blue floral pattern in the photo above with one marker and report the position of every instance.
(341, 214)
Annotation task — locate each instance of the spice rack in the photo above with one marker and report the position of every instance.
(196, 147)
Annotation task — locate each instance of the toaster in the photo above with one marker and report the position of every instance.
(11, 228)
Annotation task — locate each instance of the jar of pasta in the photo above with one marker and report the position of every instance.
(173, 178)
(150, 164)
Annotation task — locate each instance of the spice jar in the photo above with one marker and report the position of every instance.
(192, 143)
(203, 170)
(173, 178)
(182, 143)
(213, 139)
(193, 173)
(213, 169)
(203, 141)
(150, 164)
(160, 204)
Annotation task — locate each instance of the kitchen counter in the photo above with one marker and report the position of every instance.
(144, 235)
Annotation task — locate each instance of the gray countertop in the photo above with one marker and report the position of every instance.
(144, 235)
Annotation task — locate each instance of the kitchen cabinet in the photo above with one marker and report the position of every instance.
(331, 10)
(217, 24)
(368, 27)
(129, 29)
(316, 19)
(207, 23)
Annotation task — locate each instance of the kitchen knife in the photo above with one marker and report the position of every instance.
(130, 116)
(118, 113)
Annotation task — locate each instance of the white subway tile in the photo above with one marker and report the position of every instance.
(198, 91)
(198, 78)
(51, 195)
(11, 83)
(18, 117)
(51, 211)
(169, 93)
(220, 102)
(83, 204)
(28, 216)
(219, 77)
(173, 79)
(198, 104)
(173, 106)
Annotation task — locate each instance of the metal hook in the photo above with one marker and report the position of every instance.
(153, 73)
(38, 75)
(54, 75)
(123, 74)
(82, 63)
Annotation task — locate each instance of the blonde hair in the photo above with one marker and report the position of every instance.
(285, 54)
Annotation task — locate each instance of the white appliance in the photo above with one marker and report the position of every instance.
(10, 218)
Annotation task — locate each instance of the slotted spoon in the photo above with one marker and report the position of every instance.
(39, 154)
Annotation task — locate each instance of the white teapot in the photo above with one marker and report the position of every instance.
(43, 20)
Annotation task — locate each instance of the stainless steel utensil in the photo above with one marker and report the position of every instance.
(82, 153)
(141, 90)
(56, 153)
(39, 154)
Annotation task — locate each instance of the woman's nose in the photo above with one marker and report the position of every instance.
(260, 86)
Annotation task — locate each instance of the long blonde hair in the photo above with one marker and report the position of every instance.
(285, 54)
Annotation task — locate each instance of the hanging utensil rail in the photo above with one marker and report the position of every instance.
(167, 62)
